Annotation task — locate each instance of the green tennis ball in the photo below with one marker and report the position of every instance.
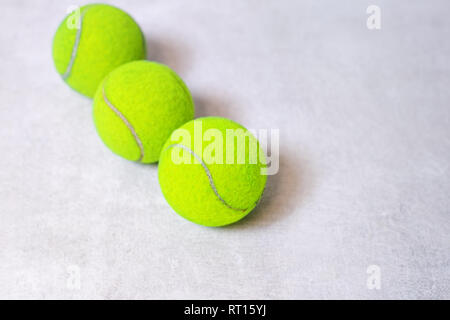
(212, 171)
(137, 106)
(93, 41)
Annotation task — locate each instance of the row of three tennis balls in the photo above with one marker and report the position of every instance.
(98, 50)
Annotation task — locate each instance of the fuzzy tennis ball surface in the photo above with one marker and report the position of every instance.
(212, 171)
(137, 106)
(91, 42)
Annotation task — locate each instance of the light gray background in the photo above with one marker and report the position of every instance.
(364, 176)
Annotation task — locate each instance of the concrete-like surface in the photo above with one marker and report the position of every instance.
(363, 188)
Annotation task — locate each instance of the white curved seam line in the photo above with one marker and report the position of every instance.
(74, 50)
(208, 173)
(127, 123)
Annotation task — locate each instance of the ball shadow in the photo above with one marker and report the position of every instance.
(169, 52)
(285, 191)
(209, 105)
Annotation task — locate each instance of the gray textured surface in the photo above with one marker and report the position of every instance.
(365, 153)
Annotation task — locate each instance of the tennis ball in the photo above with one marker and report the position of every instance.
(137, 106)
(212, 171)
(91, 42)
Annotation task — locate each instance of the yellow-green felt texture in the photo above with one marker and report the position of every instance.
(108, 37)
(187, 187)
(144, 98)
